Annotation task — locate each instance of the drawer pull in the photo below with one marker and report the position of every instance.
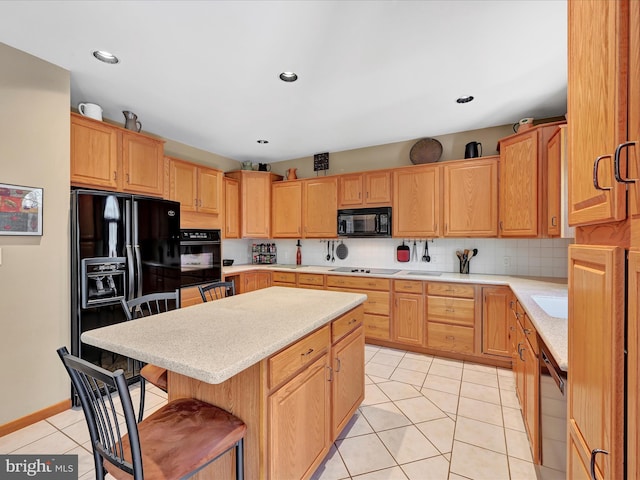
(307, 353)
(527, 331)
(450, 337)
(596, 183)
(330, 379)
(352, 321)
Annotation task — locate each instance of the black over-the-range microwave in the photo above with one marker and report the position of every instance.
(365, 222)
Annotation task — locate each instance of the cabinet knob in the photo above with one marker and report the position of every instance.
(592, 466)
(596, 183)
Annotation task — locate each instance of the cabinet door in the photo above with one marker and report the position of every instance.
(531, 402)
(596, 355)
(231, 208)
(597, 106)
(554, 162)
(348, 378)
(633, 121)
(633, 364)
(183, 185)
(142, 164)
(256, 205)
(299, 421)
(518, 366)
(286, 209)
(471, 198)
(263, 280)
(495, 321)
(519, 185)
(408, 318)
(94, 154)
(209, 190)
(320, 207)
(416, 202)
(350, 191)
(377, 186)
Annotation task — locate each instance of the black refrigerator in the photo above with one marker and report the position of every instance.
(122, 246)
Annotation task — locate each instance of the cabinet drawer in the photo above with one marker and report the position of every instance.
(453, 338)
(376, 326)
(283, 277)
(368, 283)
(450, 289)
(346, 323)
(310, 279)
(376, 302)
(451, 310)
(293, 358)
(407, 286)
(530, 333)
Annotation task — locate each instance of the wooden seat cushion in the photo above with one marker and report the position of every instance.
(181, 437)
(155, 375)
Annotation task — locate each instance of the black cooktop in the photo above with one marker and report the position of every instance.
(374, 271)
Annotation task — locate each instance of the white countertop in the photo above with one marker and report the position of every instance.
(214, 341)
(553, 331)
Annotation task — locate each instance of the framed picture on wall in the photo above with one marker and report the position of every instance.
(20, 210)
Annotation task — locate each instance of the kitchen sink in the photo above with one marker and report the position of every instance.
(557, 307)
(431, 274)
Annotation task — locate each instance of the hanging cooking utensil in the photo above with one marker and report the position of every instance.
(426, 251)
(333, 249)
(402, 253)
(328, 247)
(414, 252)
(342, 251)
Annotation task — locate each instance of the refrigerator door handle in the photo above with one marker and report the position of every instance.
(139, 269)
(131, 294)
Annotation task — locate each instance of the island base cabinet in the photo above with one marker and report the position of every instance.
(299, 421)
(348, 378)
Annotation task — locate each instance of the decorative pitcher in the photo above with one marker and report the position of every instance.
(291, 174)
(131, 121)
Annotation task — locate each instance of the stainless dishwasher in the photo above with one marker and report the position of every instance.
(553, 418)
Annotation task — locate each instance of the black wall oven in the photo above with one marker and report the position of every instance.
(200, 257)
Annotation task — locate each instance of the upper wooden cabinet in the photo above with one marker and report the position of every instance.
(197, 188)
(470, 196)
(231, 208)
(364, 189)
(319, 203)
(598, 53)
(255, 202)
(108, 157)
(523, 182)
(416, 201)
(286, 209)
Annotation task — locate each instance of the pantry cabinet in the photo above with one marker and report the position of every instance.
(416, 201)
(108, 157)
(369, 189)
(470, 198)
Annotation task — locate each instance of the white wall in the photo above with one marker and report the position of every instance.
(34, 275)
(527, 257)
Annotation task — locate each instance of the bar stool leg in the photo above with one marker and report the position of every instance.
(240, 459)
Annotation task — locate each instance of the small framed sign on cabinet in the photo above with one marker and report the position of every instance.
(320, 162)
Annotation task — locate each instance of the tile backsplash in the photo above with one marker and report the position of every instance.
(530, 257)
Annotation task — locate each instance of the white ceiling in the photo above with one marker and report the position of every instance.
(205, 73)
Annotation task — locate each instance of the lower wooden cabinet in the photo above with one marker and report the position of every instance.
(495, 321)
(451, 317)
(299, 421)
(190, 296)
(255, 281)
(348, 378)
(527, 383)
(408, 312)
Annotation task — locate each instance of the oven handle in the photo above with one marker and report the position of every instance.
(199, 242)
(554, 374)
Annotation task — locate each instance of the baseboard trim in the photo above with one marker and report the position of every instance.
(34, 417)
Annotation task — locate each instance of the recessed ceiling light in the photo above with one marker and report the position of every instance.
(465, 99)
(263, 141)
(105, 57)
(288, 77)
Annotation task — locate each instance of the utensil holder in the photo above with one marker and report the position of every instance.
(464, 266)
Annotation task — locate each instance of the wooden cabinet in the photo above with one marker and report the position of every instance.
(198, 189)
(633, 366)
(598, 53)
(523, 182)
(364, 189)
(470, 198)
(348, 377)
(286, 209)
(416, 201)
(495, 321)
(299, 420)
(255, 281)
(107, 157)
(451, 317)
(408, 312)
(283, 279)
(596, 357)
(310, 280)
(555, 155)
(255, 202)
(190, 296)
(231, 208)
(377, 306)
(319, 203)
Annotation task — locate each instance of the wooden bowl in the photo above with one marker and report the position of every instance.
(427, 150)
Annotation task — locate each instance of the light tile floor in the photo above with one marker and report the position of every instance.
(422, 418)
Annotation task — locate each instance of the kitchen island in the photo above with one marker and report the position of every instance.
(288, 362)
